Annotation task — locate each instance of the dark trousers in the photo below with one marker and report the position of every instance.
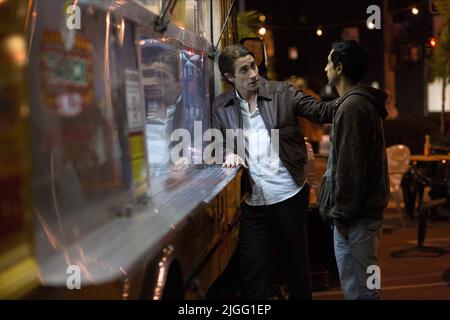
(262, 227)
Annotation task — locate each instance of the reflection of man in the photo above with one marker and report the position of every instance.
(164, 110)
(162, 85)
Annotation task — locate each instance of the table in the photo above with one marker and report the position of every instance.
(433, 169)
(426, 171)
(431, 158)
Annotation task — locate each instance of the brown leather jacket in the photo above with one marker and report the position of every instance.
(279, 104)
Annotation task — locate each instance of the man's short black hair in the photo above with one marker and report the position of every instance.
(353, 57)
(228, 55)
(163, 54)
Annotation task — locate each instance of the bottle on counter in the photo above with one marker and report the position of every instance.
(427, 146)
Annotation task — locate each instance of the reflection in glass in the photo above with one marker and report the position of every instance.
(152, 5)
(161, 79)
(176, 96)
(196, 99)
(80, 150)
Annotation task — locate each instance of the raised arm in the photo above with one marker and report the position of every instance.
(308, 107)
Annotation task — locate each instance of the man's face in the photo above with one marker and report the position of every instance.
(160, 82)
(332, 72)
(246, 77)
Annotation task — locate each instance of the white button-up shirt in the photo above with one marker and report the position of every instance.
(271, 181)
(158, 133)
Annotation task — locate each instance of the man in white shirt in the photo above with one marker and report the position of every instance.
(164, 110)
(276, 204)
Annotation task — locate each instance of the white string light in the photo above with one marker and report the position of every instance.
(319, 31)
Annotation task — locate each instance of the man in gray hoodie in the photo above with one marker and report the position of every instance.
(355, 187)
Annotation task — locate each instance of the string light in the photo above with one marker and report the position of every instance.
(414, 10)
(319, 31)
(433, 42)
(262, 18)
(262, 31)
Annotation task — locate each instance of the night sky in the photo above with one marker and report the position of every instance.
(294, 24)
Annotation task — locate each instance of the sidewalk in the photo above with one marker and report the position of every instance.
(415, 275)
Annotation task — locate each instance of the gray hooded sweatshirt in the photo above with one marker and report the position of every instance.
(356, 183)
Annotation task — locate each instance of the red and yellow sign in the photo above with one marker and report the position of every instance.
(66, 76)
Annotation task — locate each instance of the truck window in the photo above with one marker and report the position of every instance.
(87, 162)
(176, 101)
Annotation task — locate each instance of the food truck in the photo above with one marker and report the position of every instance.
(89, 208)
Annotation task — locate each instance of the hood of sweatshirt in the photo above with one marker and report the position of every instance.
(377, 97)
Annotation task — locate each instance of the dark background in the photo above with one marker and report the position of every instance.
(294, 24)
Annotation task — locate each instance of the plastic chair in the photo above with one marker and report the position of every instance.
(398, 164)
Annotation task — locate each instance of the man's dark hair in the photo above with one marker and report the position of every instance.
(353, 57)
(228, 55)
(171, 58)
(165, 55)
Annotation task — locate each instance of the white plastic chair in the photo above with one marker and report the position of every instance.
(398, 162)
